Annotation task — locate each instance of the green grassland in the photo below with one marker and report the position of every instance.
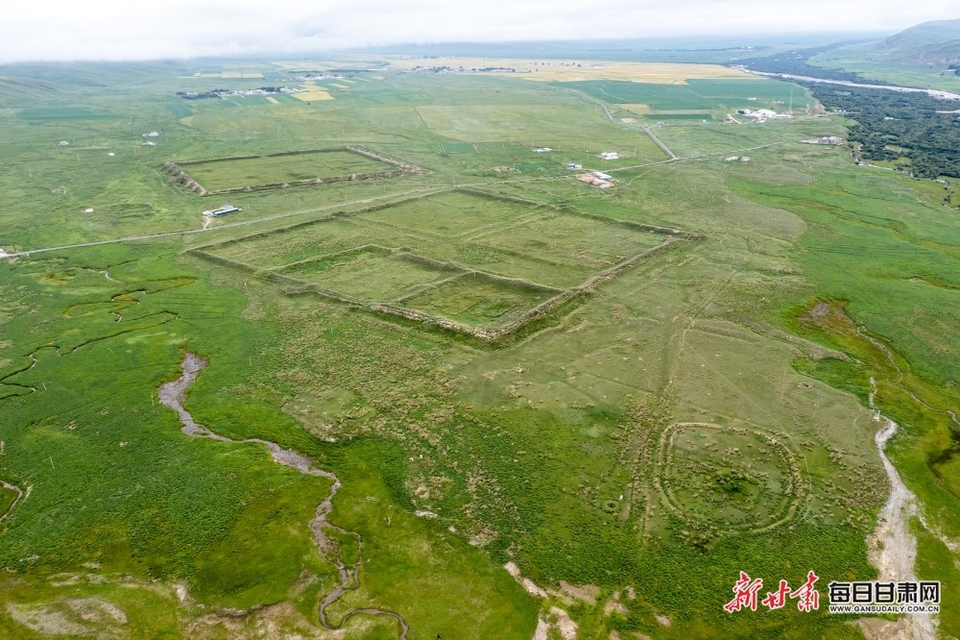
(370, 273)
(672, 426)
(709, 95)
(242, 172)
(515, 253)
(866, 61)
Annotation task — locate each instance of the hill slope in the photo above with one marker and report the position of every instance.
(934, 43)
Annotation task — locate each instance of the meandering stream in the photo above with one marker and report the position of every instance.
(894, 552)
(172, 394)
(892, 547)
(16, 501)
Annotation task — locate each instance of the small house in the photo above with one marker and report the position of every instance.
(225, 209)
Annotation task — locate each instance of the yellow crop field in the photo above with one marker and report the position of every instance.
(313, 92)
(579, 70)
(273, 100)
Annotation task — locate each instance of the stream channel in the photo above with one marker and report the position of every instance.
(172, 394)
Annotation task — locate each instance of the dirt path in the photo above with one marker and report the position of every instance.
(172, 394)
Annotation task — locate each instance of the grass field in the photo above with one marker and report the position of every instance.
(627, 450)
(371, 274)
(452, 232)
(477, 300)
(861, 59)
(241, 172)
(712, 94)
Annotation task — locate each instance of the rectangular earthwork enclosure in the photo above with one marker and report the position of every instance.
(231, 174)
(250, 173)
(370, 273)
(470, 260)
(452, 214)
(476, 299)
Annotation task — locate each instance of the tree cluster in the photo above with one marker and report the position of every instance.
(890, 125)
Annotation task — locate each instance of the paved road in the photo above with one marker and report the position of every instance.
(606, 112)
(650, 134)
(660, 144)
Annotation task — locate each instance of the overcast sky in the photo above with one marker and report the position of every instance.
(132, 29)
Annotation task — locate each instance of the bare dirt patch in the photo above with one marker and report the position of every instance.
(613, 606)
(587, 593)
(88, 617)
(564, 624)
(542, 631)
(526, 583)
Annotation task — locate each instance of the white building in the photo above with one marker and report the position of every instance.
(225, 209)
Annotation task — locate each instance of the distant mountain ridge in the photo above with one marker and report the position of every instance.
(935, 43)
